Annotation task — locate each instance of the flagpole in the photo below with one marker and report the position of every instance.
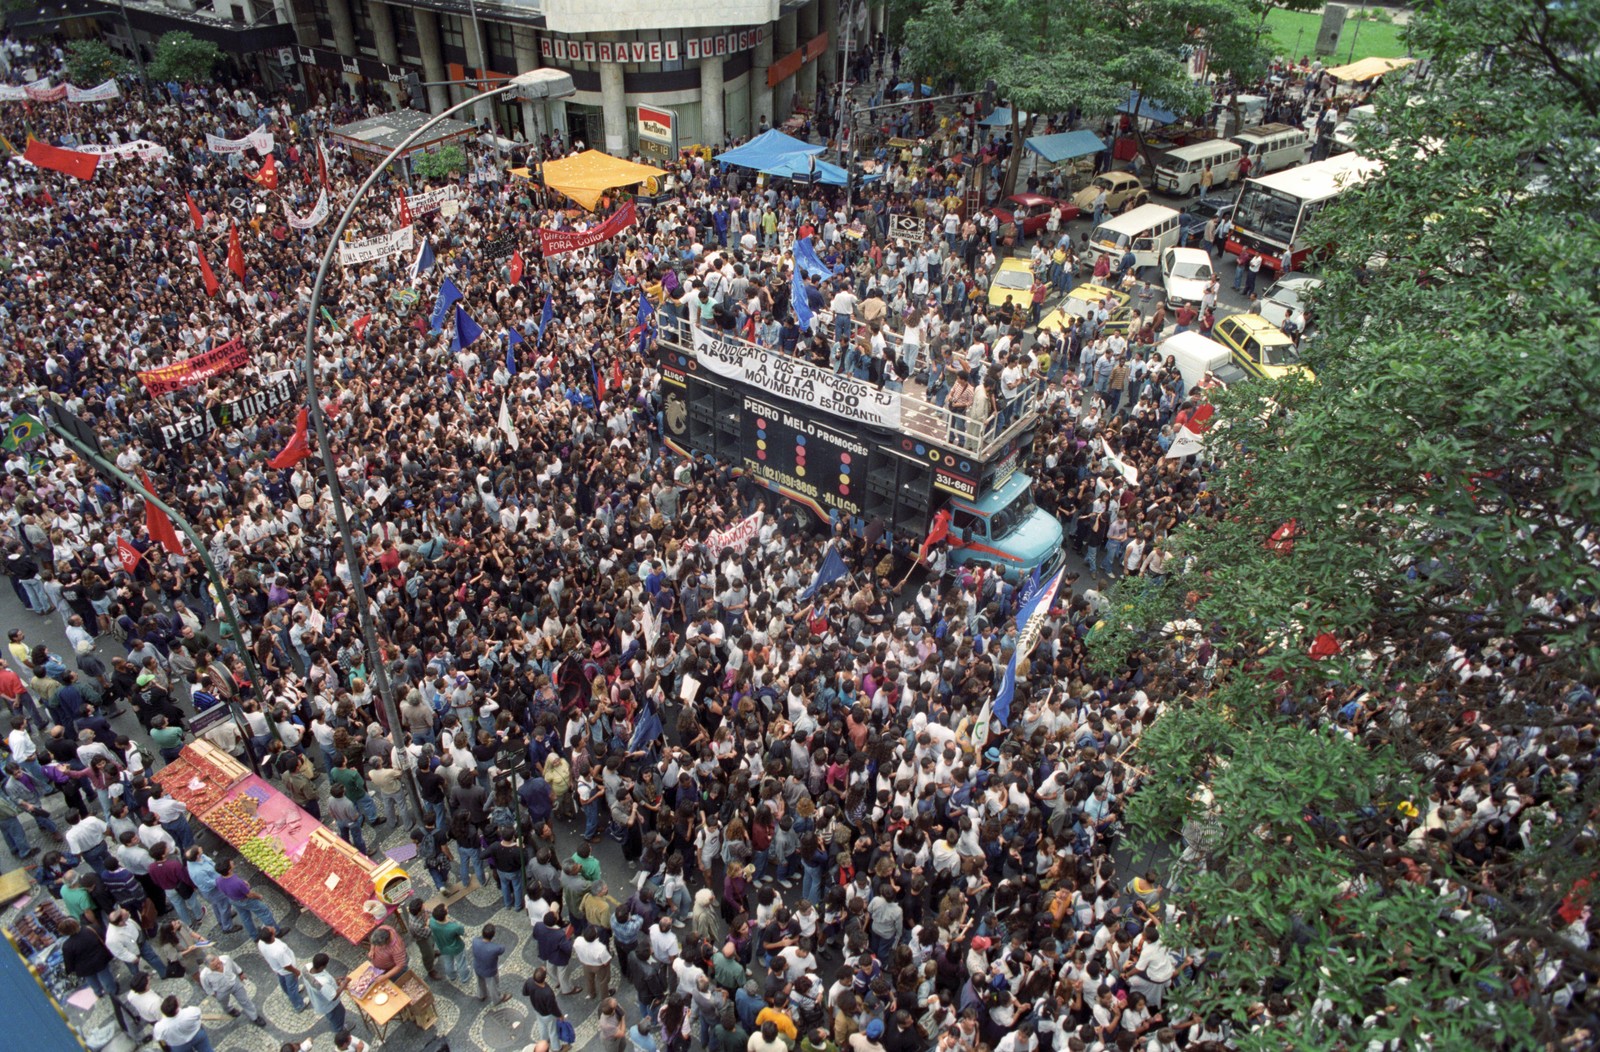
(330, 470)
(217, 583)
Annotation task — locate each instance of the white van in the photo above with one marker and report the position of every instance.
(1197, 355)
(1178, 171)
(1148, 230)
(1274, 146)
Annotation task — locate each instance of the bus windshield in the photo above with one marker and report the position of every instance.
(1267, 213)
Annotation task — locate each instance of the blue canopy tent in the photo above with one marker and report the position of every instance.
(1001, 118)
(765, 150)
(1147, 109)
(806, 168)
(1064, 146)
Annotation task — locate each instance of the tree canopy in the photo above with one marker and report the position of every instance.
(181, 56)
(91, 62)
(1430, 595)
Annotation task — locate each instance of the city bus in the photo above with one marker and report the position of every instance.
(1274, 211)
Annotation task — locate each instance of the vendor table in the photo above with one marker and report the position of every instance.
(403, 997)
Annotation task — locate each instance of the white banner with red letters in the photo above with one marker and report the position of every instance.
(735, 537)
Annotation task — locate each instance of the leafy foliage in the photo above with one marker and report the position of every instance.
(1443, 484)
(180, 56)
(443, 163)
(91, 62)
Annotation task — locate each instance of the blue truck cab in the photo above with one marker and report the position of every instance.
(1006, 530)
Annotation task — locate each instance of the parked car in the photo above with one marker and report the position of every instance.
(1185, 272)
(1285, 303)
(1032, 211)
(1193, 219)
(1259, 347)
(1014, 280)
(1081, 298)
(1120, 187)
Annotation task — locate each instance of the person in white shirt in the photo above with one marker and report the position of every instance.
(180, 1027)
(221, 979)
(126, 941)
(282, 962)
(664, 944)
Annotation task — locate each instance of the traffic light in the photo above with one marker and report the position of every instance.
(419, 101)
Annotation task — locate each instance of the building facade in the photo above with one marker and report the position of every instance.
(704, 71)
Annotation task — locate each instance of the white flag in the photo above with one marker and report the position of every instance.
(507, 426)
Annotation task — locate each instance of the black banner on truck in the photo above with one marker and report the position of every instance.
(817, 464)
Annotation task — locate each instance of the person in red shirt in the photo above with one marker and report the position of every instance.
(1185, 317)
(1039, 290)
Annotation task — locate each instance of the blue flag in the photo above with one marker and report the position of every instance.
(467, 330)
(647, 729)
(546, 315)
(831, 569)
(806, 258)
(448, 295)
(1030, 622)
(644, 324)
(424, 261)
(802, 303)
(513, 337)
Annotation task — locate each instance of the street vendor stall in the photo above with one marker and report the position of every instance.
(369, 140)
(327, 876)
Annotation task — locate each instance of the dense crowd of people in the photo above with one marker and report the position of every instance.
(824, 848)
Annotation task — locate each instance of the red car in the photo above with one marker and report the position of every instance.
(1032, 211)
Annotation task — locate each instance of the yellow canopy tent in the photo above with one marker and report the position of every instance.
(591, 173)
(1368, 69)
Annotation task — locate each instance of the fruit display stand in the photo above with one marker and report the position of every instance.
(325, 875)
(200, 777)
(334, 881)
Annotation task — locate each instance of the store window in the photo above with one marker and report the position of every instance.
(497, 37)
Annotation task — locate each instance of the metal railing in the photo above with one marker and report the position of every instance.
(919, 416)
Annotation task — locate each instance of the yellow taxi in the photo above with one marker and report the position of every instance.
(1259, 347)
(1081, 299)
(1120, 187)
(1014, 281)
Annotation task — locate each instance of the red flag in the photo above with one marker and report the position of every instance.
(1282, 539)
(68, 162)
(156, 523)
(129, 555)
(322, 168)
(235, 251)
(205, 272)
(405, 210)
(1325, 646)
(938, 531)
(599, 388)
(268, 175)
(616, 375)
(360, 326)
(516, 268)
(299, 446)
(194, 211)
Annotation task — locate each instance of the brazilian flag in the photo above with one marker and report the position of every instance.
(20, 430)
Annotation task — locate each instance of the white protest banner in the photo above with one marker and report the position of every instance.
(12, 93)
(798, 381)
(430, 200)
(1128, 471)
(736, 536)
(313, 217)
(260, 141)
(143, 149)
(380, 247)
(99, 93)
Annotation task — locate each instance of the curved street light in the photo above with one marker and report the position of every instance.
(535, 84)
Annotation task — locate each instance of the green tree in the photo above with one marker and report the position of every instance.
(443, 163)
(91, 62)
(180, 56)
(1440, 482)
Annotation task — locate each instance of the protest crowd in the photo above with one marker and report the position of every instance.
(820, 844)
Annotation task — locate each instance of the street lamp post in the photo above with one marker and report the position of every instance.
(217, 583)
(539, 83)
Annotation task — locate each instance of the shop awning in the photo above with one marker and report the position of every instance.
(766, 150)
(590, 174)
(1064, 146)
(1370, 68)
(807, 167)
(1147, 109)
